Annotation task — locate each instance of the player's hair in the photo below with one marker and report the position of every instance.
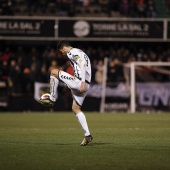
(62, 44)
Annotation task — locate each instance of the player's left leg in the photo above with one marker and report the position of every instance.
(83, 122)
(81, 118)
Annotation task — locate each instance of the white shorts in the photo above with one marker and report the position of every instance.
(74, 84)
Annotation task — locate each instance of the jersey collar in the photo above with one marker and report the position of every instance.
(69, 51)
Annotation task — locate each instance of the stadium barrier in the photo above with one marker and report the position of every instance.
(84, 29)
(151, 97)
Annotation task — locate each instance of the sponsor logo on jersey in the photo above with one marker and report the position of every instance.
(75, 57)
(66, 77)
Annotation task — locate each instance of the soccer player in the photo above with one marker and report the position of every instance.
(78, 84)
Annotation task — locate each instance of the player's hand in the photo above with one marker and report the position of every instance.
(82, 87)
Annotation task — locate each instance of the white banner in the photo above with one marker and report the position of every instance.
(153, 94)
(148, 94)
(122, 90)
(39, 89)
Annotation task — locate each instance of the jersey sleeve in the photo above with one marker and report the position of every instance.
(79, 59)
(81, 62)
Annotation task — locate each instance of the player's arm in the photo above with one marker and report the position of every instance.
(82, 64)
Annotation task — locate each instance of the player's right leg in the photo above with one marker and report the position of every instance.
(54, 81)
(53, 87)
(69, 80)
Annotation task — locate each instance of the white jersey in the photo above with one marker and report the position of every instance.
(80, 63)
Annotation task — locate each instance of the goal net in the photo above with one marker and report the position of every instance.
(146, 88)
(149, 86)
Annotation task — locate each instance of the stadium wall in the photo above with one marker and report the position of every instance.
(86, 29)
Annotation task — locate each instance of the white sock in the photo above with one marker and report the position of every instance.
(82, 120)
(53, 88)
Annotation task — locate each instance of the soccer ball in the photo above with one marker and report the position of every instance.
(45, 99)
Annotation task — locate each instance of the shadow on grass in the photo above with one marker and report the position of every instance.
(35, 143)
(98, 144)
(52, 143)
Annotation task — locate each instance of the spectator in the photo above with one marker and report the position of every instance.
(124, 7)
(53, 65)
(26, 84)
(63, 8)
(115, 71)
(99, 72)
(6, 7)
(33, 77)
(15, 79)
(141, 9)
(6, 55)
(112, 8)
(43, 76)
(151, 13)
(4, 71)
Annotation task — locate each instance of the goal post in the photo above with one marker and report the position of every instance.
(132, 87)
(133, 68)
(104, 79)
(146, 87)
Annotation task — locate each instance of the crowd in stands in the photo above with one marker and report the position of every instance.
(105, 8)
(21, 66)
(167, 4)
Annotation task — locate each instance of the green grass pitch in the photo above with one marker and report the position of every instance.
(51, 141)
